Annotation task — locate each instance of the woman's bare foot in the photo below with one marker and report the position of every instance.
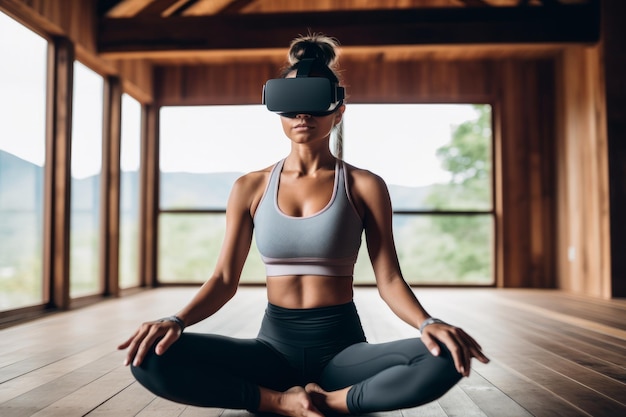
(295, 402)
(329, 402)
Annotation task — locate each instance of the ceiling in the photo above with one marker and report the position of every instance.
(175, 31)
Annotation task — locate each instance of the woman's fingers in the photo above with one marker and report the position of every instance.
(144, 338)
(154, 332)
(462, 346)
(133, 344)
(475, 349)
(170, 337)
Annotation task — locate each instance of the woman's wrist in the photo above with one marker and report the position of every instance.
(429, 321)
(176, 320)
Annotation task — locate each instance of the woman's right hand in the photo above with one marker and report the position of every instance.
(144, 338)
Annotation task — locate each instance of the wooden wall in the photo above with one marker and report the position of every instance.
(614, 67)
(521, 91)
(583, 203)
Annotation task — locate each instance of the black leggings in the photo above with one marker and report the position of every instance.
(294, 347)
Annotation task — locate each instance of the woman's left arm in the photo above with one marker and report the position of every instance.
(373, 196)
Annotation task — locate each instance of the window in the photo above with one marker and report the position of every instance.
(203, 151)
(436, 160)
(86, 171)
(22, 162)
(130, 159)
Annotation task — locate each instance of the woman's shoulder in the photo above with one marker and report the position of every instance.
(362, 177)
(253, 179)
(250, 187)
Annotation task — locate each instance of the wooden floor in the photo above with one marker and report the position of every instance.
(552, 354)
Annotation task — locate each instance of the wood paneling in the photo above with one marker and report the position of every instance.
(583, 215)
(234, 83)
(526, 188)
(614, 45)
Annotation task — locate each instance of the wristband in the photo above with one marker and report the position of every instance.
(430, 320)
(176, 320)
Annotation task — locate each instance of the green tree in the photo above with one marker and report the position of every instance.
(468, 249)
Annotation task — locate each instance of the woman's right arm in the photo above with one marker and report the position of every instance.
(219, 288)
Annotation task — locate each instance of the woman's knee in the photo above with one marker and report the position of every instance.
(444, 369)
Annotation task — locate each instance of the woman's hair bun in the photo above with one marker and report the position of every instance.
(316, 46)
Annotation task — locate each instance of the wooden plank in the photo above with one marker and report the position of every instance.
(45, 395)
(49, 371)
(490, 399)
(432, 409)
(457, 402)
(129, 402)
(160, 407)
(202, 412)
(532, 397)
(88, 397)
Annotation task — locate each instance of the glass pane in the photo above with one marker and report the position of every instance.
(22, 161)
(86, 170)
(432, 157)
(189, 245)
(204, 149)
(440, 249)
(130, 159)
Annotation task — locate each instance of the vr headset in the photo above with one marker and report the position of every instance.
(317, 96)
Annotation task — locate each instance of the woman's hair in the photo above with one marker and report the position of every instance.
(317, 46)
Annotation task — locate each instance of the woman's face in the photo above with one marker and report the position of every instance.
(305, 128)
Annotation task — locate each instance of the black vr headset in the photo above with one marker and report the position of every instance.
(316, 96)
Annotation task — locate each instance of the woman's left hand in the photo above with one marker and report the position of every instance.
(461, 345)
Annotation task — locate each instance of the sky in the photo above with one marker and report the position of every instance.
(397, 142)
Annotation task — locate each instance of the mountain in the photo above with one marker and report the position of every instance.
(179, 190)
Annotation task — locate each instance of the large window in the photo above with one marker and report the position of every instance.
(86, 172)
(436, 160)
(22, 161)
(130, 157)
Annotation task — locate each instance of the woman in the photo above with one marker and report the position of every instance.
(311, 356)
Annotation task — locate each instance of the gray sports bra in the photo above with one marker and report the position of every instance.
(325, 243)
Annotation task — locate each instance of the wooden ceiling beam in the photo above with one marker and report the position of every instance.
(498, 25)
(159, 7)
(128, 8)
(236, 6)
